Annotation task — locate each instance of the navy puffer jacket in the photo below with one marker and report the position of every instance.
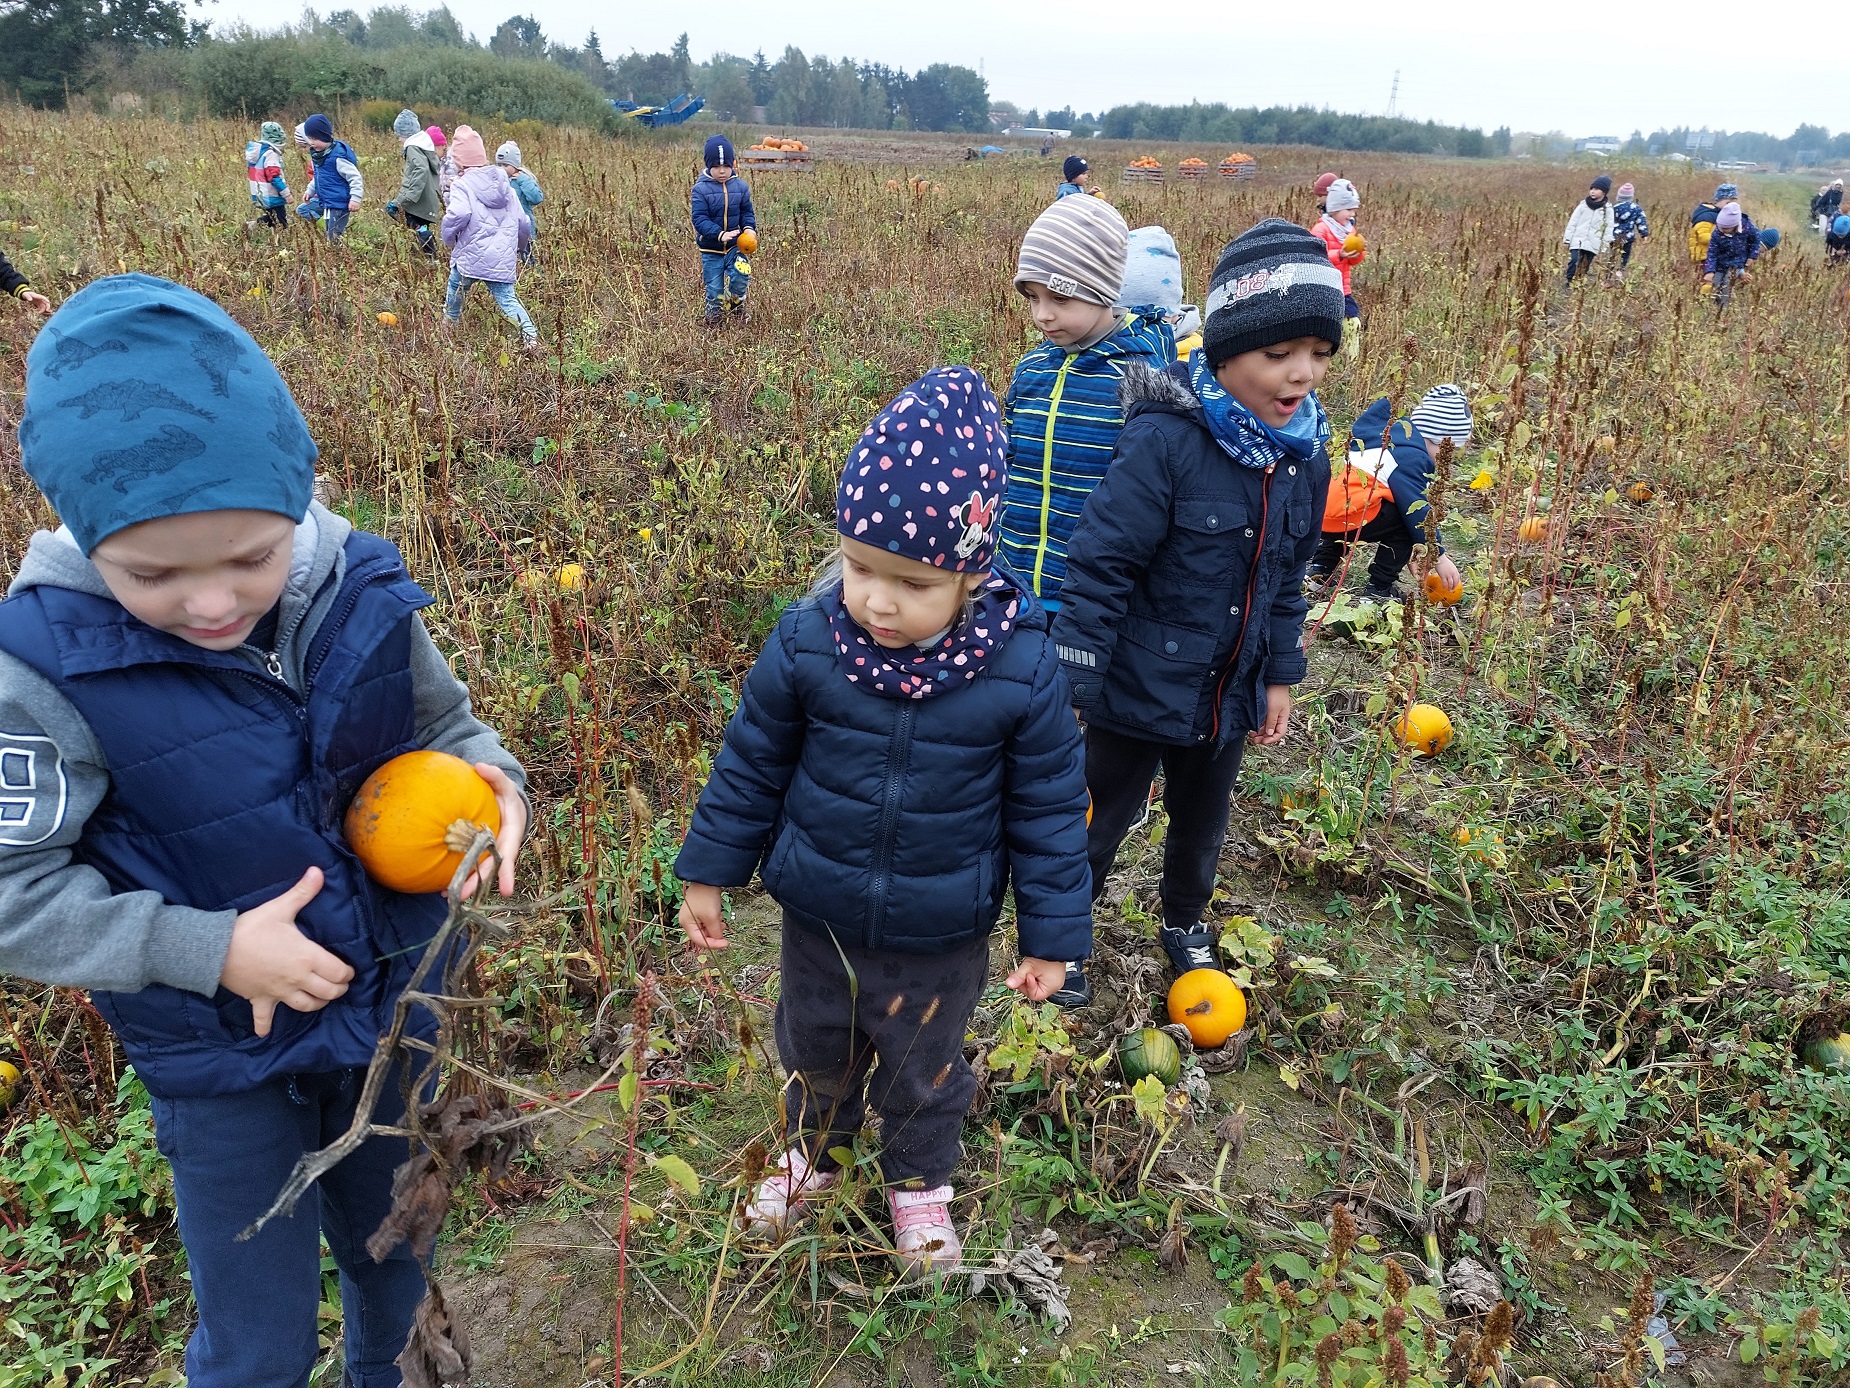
(898, 823)
(1166, 563)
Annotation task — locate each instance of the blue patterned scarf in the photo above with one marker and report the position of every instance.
(915, 672)
(1245, 437)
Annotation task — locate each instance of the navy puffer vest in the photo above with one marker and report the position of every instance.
(225, 785)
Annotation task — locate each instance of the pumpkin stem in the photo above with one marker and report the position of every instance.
(461, 834)
(1200, 1009)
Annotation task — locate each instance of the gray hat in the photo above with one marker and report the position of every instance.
(1077, 248)
(1272, 284)
(406, 125)
(1341, 196)
(508, 156)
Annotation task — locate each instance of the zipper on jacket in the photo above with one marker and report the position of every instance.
(1246, 614)
(898, 761)
(1053, 415)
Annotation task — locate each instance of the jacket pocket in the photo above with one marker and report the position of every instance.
(1203, 550)
(773, 870)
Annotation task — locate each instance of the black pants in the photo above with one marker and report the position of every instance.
(1197, 789)
(1388, 532)
(1625, 251)
(272, 217)
(1576, 261)
(907, 1011)
(421, 229)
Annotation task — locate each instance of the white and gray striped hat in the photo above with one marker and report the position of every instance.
(1443, 413)
(1077, 248)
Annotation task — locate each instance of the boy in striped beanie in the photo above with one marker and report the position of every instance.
(1062, 405)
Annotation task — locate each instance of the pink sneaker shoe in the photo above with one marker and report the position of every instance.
(778, 1203)
(923, 1236)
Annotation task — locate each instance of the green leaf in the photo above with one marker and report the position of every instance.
(1424, 1298)
(842, 1156)
(1623, 619)
(626, 1091)
(1149, 1095)
(1294, 1265)
(1750, 1347)
(1656, 1348)
(680, 1173)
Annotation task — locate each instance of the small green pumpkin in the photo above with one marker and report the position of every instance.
(1149, 1052)
(1829, 1053)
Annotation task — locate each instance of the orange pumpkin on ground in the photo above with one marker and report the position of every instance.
(1424, 730)
(1533, 529)
(1437, 592)
(413, 819)
(1209, 1004)
(1640, 492)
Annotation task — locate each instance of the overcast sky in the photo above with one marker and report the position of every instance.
(1586, 69)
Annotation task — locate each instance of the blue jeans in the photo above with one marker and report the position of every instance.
(502, 294)
(722, 276)
(257, 1300)
(335, 221)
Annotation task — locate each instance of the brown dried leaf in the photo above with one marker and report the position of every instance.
(437, 1354)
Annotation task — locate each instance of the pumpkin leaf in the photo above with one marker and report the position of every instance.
(680, 1173)
(1750, 1347)
(1148, 1095)
(1289, 1077)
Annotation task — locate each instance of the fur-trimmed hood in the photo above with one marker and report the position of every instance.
(1145, 385)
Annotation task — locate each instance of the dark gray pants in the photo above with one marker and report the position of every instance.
(907, 1011)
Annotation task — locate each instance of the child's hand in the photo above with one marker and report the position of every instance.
(354, 205)
(1448, 572)
(36, 301)
(271, 962)
(1277, 717)
(703, 916)
(1709, 278)
(513, 826)
(728, 236)
(1040, 979)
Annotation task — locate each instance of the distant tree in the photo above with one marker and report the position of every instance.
(47, 46)
(725, 82)
(1500, 142)
(763, 83)
(793, 100)
(441, 29)
(518, 36)
(683, 64)
(1472, 144)
(947, 97)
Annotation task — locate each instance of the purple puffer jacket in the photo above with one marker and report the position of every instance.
(484, 226)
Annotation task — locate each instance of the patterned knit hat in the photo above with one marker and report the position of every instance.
(1272, 284)
(271, 133)
(1729, 218)
(1340, 196)
(508, 155)
(1443, 413)
(1724, 191)
(1074, 166)
(406, 125)
(1152, 271)
(145, 399)
(1627, 192)
(1077, 248)
(925, 481)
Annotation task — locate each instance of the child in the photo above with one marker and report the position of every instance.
(334, 195)
(904, 751)
(722, 208)
(1629, 226)
(1181, 624)
(1380, 499)
(1702, 222)
(1837, 240)
(1153, 287)
(14, 283)
(1322, 189)
(198, 669)
(263, 170)
(1734, 246)
(417, 201)
(1075, 174)
(485, 231)
(526, 188)
(1590, 227)
(446, 166)
(1830, 202)
(1336, 229)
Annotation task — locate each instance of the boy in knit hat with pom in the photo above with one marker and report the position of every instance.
(1075, 174)
(1629, 226)
(1062, 404)
(1181, 619)
(263, 172)
(721, 206)
(339, 185)
(197, 671)
(904, 752)
(416, 202)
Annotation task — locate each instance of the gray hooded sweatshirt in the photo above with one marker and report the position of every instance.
(59, 921)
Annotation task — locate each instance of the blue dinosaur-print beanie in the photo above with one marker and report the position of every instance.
(145, 399)
(925, 480)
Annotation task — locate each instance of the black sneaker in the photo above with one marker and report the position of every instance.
(1380, 596)
(1076, 992)
(1189, 949)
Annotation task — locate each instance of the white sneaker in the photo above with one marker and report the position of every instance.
(923, 1235)
(778, 1203)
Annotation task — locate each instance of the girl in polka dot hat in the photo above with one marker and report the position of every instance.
(904, 751)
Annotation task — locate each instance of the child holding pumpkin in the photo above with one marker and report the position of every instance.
(1345, 248)
(721, 206)
(1182, 613)
(188, 867)
(904, 750)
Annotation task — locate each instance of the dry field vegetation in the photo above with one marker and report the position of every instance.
(1541, 1002)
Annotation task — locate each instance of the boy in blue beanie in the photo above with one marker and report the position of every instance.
(338, 186)
(197, 670)
(721, 204)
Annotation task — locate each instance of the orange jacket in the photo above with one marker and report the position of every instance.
(1333, 234)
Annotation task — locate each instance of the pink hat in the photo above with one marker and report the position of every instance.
(467, 149)
(1729, 218)
(1626, 190)
(1322, 185)
(437, 136)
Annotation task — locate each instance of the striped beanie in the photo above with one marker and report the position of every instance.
(1272, 284)
(1077, 248)
(1443, 413)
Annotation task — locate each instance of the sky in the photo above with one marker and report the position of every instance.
(1584, 69)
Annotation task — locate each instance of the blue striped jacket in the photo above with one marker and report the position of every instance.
(1064, 418)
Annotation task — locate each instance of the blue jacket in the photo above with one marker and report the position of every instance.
(1404, 463)
(1177, 546)
(527, 189)
(719, 207)
(1063, 418)
(898, 823)
(1732, 250)
(331, 188)
(1629, 221)
(220, 799)
(1067, 190)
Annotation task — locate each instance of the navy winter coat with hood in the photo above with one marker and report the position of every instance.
(898, 823)
(1175, 548)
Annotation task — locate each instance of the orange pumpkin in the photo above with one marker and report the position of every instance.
(1533, 529)
(1437, 592)
(1424, 730)
(1353, 244)
(415, 817)
(1209, 1004)
(389, 320)
(748, 242)
(1640, 492)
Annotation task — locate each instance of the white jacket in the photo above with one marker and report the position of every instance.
(1589, 228)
